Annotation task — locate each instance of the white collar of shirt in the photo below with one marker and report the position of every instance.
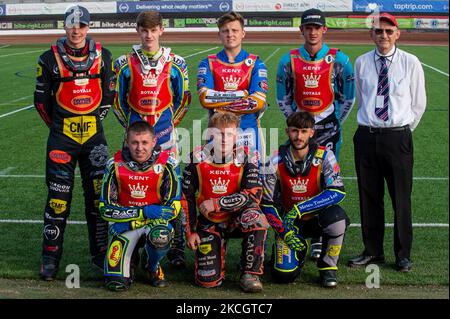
(389, 56)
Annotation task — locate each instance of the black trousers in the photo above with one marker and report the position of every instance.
(384, 155)
(62, 157)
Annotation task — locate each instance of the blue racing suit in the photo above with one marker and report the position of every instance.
(239, 87)
(329, 121)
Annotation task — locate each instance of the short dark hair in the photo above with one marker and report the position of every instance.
(149, 19)
(230, 17)
(140, 127)
(300, 120)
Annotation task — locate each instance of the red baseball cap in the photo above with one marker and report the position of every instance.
(386, 17)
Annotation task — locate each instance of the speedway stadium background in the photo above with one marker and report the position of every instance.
(28, 27)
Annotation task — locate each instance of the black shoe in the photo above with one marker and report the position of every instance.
(328, 278)
(176, 258)
(117, 283)
(364, 260)
(403, 265)
(49, 268)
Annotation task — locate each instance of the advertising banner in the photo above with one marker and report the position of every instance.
(2, 10)
(404, 6)
(195, 22)
(269, 22)
(434, 24)
(33, 25)
(292, 5)
(57, 8)
(362, 23)
(175, 6)
(249, 22)
(6, 25)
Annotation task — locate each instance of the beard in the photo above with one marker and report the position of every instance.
(301, 147)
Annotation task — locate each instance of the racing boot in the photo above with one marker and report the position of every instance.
(250, 283)
(98, 262)
(176, 253)
(316, 248)
(156, 278)
(328, 278)
(49, 268)
(117, 283)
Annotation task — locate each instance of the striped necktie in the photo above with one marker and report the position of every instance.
(383, 90)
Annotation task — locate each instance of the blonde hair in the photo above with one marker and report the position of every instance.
(224, 119)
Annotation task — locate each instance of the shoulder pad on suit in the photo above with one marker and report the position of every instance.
(120, 62)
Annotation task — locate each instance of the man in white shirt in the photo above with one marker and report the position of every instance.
(390, 90)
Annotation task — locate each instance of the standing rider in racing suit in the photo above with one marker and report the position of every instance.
(139, 194)
(222, 180)
(153, 85)
(301, 194)
(74, 91)
(320, 80)
(235, 81)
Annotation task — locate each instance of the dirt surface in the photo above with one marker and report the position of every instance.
(333, 36)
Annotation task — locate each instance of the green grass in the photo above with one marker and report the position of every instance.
(23, 146)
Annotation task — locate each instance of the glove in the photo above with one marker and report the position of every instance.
(116, 229)
(295, 241)
(241, 105)
(158, 211)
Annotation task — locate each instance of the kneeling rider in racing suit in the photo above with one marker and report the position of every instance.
(140, 192)
(223, 181)
(302, 189)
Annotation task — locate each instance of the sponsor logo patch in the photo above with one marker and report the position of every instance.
(56, 187)
(329, 59)
(205, 248)
(80, 128)
(82, 101)
(249, 218)
(99, 155)
(262, 73)
(334, 250)
(59, 157)
(51, 232)
(115, 253)
(59, 206)
(38, 70)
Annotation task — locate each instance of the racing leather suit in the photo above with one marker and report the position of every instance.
(129, 192)
(155, 89)
(74, 91)
(303, 196)
(236, 188)
(323, 85)
(240, 88)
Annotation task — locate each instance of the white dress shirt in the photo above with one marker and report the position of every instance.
(407, 96)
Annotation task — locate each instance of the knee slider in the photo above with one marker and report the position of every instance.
(160, 236)
(331, 215)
